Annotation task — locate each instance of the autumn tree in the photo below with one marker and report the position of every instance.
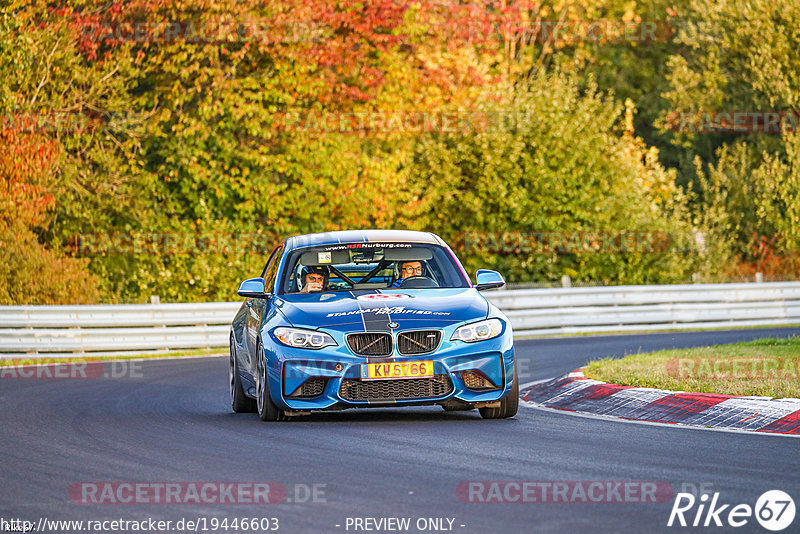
(553, 159)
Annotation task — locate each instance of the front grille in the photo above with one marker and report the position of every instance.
(418, 341)
(370, 344)
(410, 388)
(476, 380)
(313, 387)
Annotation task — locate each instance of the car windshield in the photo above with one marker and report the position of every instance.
(349, 266)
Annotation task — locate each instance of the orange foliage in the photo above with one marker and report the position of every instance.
(765, 257)
(28, 162)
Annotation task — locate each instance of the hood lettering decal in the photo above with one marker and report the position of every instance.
(386, 311)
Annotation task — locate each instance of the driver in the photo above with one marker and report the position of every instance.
(408, 269)
(313, 278)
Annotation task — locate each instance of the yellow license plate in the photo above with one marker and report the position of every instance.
(391, 370)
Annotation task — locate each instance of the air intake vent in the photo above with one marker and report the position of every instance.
(370, 344)
(418, 341)
(390, 390)
(476, 380)
(313, 387)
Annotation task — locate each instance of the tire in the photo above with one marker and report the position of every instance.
(508, 405)
(267, 410)
(240, 403)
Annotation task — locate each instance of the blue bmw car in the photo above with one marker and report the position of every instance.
(358, 319)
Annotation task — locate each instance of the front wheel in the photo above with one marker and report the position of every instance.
(240, 403)
(267, 410)
(508, 405)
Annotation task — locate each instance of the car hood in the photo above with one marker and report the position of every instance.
(374, 310)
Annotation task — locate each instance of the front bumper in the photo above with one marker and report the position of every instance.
(332, 376)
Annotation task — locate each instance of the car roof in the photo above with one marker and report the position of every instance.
(362, 236)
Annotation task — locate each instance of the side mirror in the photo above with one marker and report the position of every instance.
(253, 288)
(489, 280)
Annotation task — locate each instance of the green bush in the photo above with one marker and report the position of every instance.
(32, 274)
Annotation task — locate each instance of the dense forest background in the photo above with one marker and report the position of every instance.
(160, 147)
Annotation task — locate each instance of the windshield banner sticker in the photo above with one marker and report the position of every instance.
(368, 245)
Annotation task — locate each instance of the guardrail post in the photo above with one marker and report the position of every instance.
(566, 281)
(759, 278)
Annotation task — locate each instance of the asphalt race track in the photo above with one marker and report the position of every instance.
(170, 421)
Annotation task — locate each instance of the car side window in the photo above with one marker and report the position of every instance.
(271, 270)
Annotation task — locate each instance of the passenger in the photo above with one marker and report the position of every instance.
(408, 269)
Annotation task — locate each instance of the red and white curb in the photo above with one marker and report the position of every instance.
(576, 393)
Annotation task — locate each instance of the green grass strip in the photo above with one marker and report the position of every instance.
(764, 367)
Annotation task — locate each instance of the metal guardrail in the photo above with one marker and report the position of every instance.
(641, 308)
(47, 331)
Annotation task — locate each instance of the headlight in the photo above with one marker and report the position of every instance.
(478, 331)
(302, 339)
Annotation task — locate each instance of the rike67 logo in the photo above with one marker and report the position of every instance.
(774, 510)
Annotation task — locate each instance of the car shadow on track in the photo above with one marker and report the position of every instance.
(369, 415)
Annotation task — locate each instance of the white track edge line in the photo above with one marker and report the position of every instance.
(536, 406)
